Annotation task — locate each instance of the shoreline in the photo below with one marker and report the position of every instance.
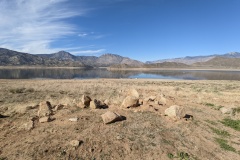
(173, 69)
(123, 69)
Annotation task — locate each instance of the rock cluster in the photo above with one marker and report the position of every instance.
(87, 102)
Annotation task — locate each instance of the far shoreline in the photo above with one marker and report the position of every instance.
(121, 69)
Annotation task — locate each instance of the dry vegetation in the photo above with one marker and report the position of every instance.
(145, 134)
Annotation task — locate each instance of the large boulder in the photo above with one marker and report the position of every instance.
(130, 101)
(175, 111)
(45, 109)
(85, 101)
(111, 117)
(133, 92)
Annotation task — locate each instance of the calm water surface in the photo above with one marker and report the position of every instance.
(63, 73)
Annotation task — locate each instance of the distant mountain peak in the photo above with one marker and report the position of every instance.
(63, 55)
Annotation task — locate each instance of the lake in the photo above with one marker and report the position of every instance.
(76, 73)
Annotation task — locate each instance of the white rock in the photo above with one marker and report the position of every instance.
(74, 143)
(73, 119)
(129, 102)
(225, 110)
(175, 111)
(133, 92)
(44, 119)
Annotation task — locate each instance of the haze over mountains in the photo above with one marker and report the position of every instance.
(65, 59)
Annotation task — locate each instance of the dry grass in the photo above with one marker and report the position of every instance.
(145, 134)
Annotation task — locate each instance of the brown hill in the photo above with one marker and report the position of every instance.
(167, 65)
(14, 58)
(62, 58)
(221, 62)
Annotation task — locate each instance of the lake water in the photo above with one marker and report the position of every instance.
(63, 73)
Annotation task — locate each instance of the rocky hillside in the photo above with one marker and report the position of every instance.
(167, 65)
(62, 58)
(61, 55)
(13, 58)
(112, 59)
(195, 59)
(220, 62)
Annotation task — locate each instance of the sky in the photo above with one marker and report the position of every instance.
(144, 30)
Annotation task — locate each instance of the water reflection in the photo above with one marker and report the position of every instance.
(61, 73)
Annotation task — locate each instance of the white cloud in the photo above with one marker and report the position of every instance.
(82, 34)
(88, 52)
(91, 35)
(32, 25)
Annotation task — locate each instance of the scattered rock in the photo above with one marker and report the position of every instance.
(129, 102)
(175, 111)
(152, 98)
(73, 119)
(44, 119)
(162, 100)
(106, 102)
(86, 101)
(75, 143)
(140, 101)
(58, 107)
(28, 126)
(45, 109)
(96, 104)
(226, 110)
(111, 117)
(119, 137)
(81, 105)
(134, 93)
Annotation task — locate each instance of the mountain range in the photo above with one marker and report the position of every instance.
(61, 59)
(195, 59)
(65, 59)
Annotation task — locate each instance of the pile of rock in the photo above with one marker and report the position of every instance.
(87, 102)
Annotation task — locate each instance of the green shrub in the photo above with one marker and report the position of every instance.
(223, 144)
(235, 124)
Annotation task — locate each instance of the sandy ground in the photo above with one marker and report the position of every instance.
(145, 134)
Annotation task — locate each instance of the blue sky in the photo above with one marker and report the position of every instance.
(140, 29)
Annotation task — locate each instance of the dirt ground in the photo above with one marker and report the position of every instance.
(146, 133)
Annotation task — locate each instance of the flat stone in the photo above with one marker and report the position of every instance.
(75, 143)
(110, 117)
(226, 110)
(44, 119)
(175, 111)
(73, 119)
